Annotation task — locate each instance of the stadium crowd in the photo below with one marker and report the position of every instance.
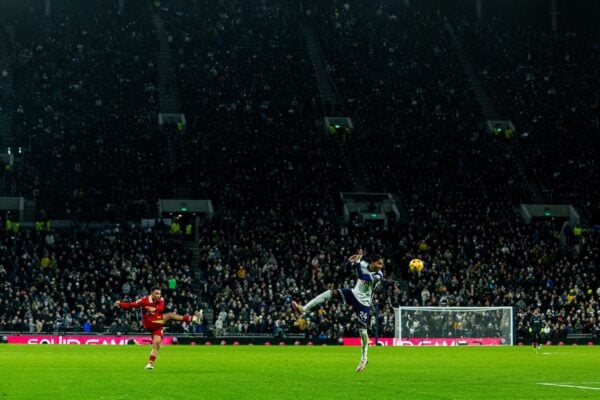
(57, 281)
(547, 86)
(85, 87)
(252, 145)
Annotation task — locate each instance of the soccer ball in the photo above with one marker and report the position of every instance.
(416, 265)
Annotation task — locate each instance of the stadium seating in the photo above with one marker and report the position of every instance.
(253, 146)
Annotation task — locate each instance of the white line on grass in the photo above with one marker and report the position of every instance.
(571, 386)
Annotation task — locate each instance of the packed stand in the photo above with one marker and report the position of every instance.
(447, 209)
(419, 126)
(546, 83)
(60, 282)
(85, 112)
(248, 92)
(254, 271)
(274, 177)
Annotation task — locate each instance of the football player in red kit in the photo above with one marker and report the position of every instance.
(154, 320)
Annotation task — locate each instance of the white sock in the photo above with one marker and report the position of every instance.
(320, 299)
(364, 337)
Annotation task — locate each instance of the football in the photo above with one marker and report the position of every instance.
(416, 265)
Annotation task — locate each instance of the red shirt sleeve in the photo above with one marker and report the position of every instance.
(134, 304)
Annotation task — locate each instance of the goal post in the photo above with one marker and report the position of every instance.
(454, 326)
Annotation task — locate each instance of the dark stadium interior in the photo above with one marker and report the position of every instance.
(82, 85)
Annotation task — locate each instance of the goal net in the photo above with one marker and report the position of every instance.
(454, 326)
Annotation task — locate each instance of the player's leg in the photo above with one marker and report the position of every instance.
(197, 317)
(317, 301)
(364, 348)
(362, 312)
(537, 340)
(156, 340)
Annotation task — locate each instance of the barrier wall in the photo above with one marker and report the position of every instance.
(267, 340)
(82, 339)
(167, 340)
(427, 342)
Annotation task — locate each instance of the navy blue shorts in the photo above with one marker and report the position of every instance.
(362, 312)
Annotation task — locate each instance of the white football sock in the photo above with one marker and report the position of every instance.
(320, 299)
(364, 337)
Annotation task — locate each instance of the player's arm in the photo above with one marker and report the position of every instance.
(134, 304)
(353, 260)
(367, 276)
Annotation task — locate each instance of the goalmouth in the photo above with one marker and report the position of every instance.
(454, 326)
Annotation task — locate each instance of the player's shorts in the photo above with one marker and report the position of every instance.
(362, 312)
(154, 329)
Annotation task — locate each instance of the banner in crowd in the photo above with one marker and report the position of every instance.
(82, 339)
(354, 341)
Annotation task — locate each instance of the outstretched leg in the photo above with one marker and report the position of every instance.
(317, 301)
(197, 317)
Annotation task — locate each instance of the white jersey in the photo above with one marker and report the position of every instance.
(367, 280)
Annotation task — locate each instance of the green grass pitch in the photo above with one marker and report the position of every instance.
(298, 372)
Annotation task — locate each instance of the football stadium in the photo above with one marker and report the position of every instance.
(299, 199)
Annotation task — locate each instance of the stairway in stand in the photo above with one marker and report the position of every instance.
(491, 113)
(198, 276)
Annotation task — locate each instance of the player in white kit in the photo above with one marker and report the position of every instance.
(369, 275)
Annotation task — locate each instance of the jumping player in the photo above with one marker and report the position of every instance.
(153, 318)
(369, 274)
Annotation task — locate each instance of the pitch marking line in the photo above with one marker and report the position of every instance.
(570, 386)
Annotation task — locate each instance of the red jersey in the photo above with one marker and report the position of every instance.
(152, 311)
